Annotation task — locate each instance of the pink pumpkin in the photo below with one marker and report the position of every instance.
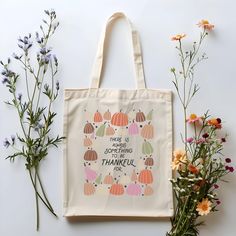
(133, 129)
(90, 174)
(134, 189)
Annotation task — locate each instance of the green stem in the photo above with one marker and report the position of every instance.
(41, 186)
(37, 202)
(32, 181)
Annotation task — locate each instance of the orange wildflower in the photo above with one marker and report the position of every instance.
(215, 122)
(205, 25)
(204, 207)
(178, 37)
(193, 169)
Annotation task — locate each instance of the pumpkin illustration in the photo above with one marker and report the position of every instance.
(149, 161)
(90, 174)
(121, 132)
(87, 142)
(141, 164)
(147, 148)
(147, 131)
(119, 119)
(149, 115)
(134, 189)
(97, 117)
(145, 177)
(148, 190)
(108, 179)
(88, 128)
(125, 179)
(132, 114)
(89, 189)
(117, 189)
(88, 115)
(110, 131)
(90, 155)
(107, 115)
(98, 179)
(94, 165)
(133, 176)
(133, 128)
(102, 189)
(101, 130)
(140, 117)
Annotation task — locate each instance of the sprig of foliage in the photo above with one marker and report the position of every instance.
(201, 165)
(35, 116)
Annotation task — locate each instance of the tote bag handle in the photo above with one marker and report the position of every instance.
(137, 53)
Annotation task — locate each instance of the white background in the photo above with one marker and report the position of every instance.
(75, 45)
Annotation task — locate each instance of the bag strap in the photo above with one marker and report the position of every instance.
(97, 68)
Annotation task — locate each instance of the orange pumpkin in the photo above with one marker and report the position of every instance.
(145, 177)
(147, 131)
(87, 142)
(140, 117)
(107, 115)
(89, 188)
(149, 161)
(148, 190)
(88, 128)
(117, 189)
(90, 155)
(97, 117)
(108, 179)
(110, 131)
(119, 119)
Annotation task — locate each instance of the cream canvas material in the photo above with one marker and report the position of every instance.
(118, 146)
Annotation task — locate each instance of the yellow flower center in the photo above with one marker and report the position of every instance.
(193, 116)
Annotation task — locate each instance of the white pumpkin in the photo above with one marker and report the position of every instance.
(102, 189)
(125, 179)
(94, 165)
(132, 115)
(140, 164)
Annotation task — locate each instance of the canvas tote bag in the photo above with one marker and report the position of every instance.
(118, 146)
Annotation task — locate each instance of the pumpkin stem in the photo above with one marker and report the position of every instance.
(149, 122)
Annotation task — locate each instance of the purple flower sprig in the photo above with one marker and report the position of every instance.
(35, 114)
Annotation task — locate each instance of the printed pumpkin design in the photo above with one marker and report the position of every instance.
(89, 188)
(97, 117)
(88, 128)
(140, 117)
(147, 131)
(110, 131)
(90, 155)
(145, 177)
(104, 124)
(117, 189)
(107, 115)
(119, 119)
(133, 128)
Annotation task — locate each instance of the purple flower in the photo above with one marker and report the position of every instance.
(13, 139)
(55, 60)
(6, 143)
(189, 140)
(223, 140)
(19, 97)
(229, 168)
(218, 202)
(216, 186)
(206, 135)
(57, 85)
(227, 160)
(5, 80)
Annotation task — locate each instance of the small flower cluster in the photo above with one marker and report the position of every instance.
(200, 165)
